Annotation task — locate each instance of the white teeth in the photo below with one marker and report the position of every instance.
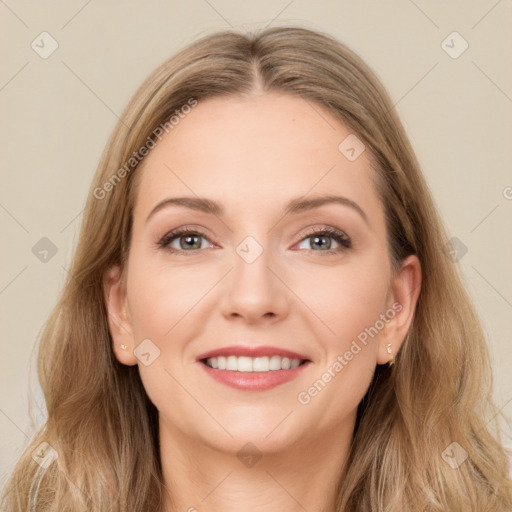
(252, 364)
(231, 363)
(275, 363)
(260, 364)
(243, 364)
(294, 363)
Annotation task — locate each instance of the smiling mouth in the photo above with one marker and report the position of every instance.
(253, 364)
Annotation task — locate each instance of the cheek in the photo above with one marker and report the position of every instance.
(161, 302)
(161, 298)
(345, 300)
(349, 304)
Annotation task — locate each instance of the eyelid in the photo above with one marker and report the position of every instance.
(180, 231)
(339, 235)
(325, 229)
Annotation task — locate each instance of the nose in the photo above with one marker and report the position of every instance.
(255, 290)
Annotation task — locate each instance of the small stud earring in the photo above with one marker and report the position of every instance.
(391, 362)
(124, 347)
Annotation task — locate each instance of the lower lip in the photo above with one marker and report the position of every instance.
(254, 381)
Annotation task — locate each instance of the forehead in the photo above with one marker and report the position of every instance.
(249, 152)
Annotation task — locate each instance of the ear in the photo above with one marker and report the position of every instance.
(404, 293)
(118, 316)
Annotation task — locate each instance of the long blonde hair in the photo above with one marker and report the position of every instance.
(102, 430)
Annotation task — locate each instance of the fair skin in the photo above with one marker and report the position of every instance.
(253, 155)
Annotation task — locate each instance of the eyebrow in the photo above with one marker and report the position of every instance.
(294, 206)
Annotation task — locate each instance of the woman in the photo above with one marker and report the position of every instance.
(260, 314)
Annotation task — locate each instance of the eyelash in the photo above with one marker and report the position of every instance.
(337, 235)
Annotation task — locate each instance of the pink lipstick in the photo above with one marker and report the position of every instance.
(253, 368)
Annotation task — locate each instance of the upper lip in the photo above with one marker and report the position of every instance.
(261, 351)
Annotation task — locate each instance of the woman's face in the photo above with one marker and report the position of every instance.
(252, 274)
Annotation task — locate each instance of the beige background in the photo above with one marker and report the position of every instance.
(56, 115)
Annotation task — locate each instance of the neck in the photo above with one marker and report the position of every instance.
(203, 478)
